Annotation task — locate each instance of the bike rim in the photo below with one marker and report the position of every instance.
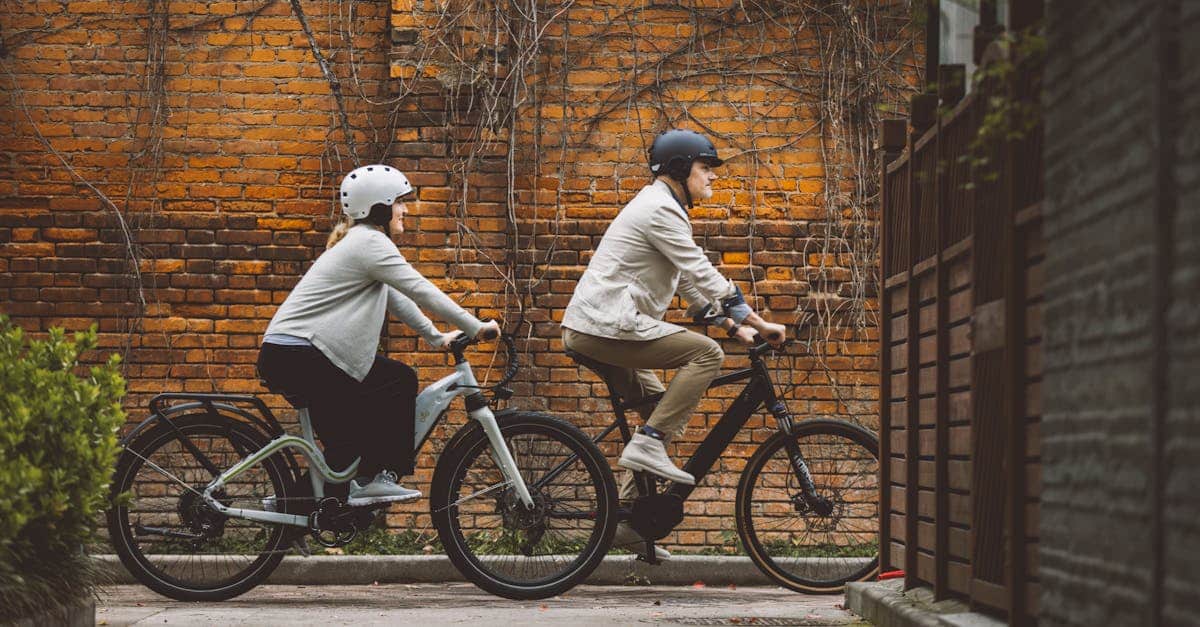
(819, 552)
(496, 539)
(160, 507)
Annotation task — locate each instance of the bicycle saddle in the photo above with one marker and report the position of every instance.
(589, 363)
(595, 366)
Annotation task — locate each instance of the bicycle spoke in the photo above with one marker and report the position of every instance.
(183, 545)
(505, 540)
(815, 551)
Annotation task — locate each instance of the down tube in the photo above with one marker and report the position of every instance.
(714, 445)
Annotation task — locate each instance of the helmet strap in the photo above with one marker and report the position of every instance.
(379, 216)
(687, 201)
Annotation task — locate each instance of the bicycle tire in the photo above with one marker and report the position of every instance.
(163, 572)
(816, 554)
(581, 514)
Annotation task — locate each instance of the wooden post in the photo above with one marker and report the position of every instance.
(941, 516)
(912, 450)
(892, 142)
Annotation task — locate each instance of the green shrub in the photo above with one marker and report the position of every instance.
(58, 444)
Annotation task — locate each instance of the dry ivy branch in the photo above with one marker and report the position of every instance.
(335, 86)
(846, 61)
(502, 65)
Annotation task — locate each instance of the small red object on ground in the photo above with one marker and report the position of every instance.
(891, 574)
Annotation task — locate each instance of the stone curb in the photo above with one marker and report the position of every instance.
(366, 569)
(887, 604)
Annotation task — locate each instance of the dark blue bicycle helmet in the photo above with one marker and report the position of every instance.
(673, 152)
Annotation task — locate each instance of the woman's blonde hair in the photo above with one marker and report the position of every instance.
(339, 231)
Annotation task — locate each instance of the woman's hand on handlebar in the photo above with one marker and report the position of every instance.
(447, 339)
(489, 331)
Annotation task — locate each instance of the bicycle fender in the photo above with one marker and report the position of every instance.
(142, 426)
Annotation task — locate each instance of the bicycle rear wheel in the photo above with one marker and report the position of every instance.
(497, 543)
(793, 542)
(165, 534)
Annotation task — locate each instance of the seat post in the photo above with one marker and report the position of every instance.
(306, 431)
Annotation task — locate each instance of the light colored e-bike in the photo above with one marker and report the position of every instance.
(208, 494)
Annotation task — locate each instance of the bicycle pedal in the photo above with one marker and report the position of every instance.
(649, 559)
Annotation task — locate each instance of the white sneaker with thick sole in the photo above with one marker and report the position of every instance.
(383, 489)
(629, 539)
(648, 454)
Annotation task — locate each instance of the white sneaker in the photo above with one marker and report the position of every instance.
(629, 539)
(383, 489)
(648, 454)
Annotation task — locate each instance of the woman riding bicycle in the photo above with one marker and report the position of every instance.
(320, 349)
(646, 256)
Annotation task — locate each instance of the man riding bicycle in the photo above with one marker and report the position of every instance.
(615, 316)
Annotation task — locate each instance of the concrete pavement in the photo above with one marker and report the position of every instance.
(459, 603)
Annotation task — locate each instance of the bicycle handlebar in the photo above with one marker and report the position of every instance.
(460, 344)
(761, 347)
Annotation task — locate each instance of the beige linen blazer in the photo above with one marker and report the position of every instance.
(646, 256)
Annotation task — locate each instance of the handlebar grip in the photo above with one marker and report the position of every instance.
(489, 334)
(460, 343)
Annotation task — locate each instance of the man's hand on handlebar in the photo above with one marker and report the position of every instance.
(746, 334)
(774, 334)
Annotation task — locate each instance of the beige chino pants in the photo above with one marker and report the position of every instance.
(698, 358)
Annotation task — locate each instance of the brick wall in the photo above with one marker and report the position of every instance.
(219, 173)
(1118, 526)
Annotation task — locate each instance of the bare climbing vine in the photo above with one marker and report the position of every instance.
(489, 82)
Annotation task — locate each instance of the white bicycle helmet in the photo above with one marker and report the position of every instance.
(371, 185)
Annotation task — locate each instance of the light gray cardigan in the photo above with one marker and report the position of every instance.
(339, 304)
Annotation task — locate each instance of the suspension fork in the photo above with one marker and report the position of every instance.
(477, 409)
(783, 418)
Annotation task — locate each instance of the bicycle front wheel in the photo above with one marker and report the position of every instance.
(807, 547)
(163, 531)
(501, 545)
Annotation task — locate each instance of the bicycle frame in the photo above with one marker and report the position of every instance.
(759, 391)
(431, 405)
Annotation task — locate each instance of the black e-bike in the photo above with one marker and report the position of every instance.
(807, 502)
